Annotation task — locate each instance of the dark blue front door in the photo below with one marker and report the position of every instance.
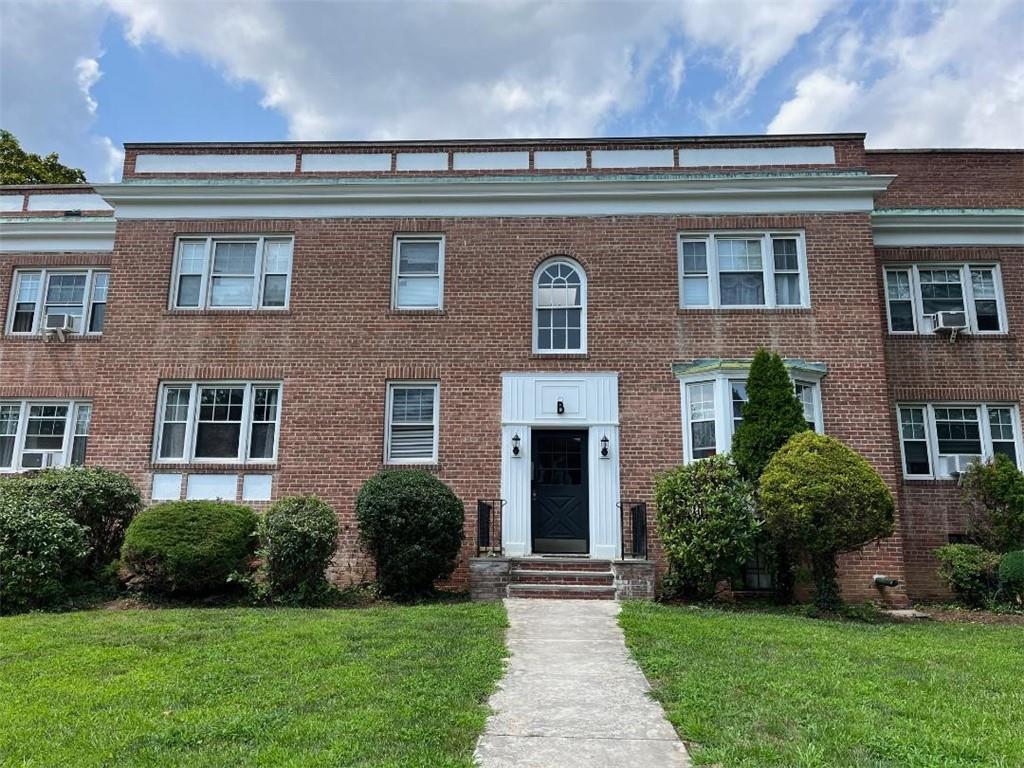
(560, 514)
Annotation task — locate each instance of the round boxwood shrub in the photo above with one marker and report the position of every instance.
(706, 523)
(188, 547)
(411, 523)
(970, 571)
(40, 549)
(1011, 576)
(101, 501)
(299, 536)
(823, 498)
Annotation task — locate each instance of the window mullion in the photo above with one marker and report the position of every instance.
(967, 285)
(723, 435)
(713, 274)
(768, 270)
(22, 430)
(207, 274)
(260, 273)
(985, 431)
(248, 402)
(189, 454)
(37, 320)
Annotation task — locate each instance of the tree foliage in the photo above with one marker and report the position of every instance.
(20, 167)
(994, 494)
(824, 499)
(706, 522)
(771, 415)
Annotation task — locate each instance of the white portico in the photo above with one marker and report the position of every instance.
(546, 419)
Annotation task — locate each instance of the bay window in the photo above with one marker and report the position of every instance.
(234, 272)
(47, 299)
(917, 292)
(712, 405)
(218, 422)
(743, 270)
(35, 434)
(932, 436)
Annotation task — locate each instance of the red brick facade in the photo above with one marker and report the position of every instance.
(339, 343)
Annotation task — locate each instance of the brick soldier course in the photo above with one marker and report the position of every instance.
(340, 341)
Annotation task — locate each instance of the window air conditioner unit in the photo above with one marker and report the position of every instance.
(59, 326)
(959, 463)
(950, 321)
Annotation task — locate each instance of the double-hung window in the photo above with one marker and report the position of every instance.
(45, 433)
(743, 270)
(713, 409)
(232, 273)
(71, 300)
(218, 422)
(418, 272)
(411, 422)
(932, 436)
(916, 293)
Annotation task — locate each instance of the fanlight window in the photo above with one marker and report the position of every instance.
(560, 299)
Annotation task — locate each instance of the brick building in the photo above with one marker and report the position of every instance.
(545, 324)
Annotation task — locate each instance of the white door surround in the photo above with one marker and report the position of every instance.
(587, 401)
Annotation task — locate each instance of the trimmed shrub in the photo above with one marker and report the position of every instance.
(994, 495)
(40, 549)
(101, 501)
(299, 536)
(412, 524)
(188, 547)
(970, 571)
(706, 523)
(1011, 577)
(771, 415)
(823, 498)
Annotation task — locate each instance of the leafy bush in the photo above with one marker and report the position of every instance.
(994, 495)
(970, 571)
(101, 501)
(771, 415)
(1011, 577)
(188, 547)
(299, 536)
(706, 522)
(824, 499)
(40, 548)
(411, 523)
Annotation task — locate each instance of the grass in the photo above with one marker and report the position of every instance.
(753, 689)
(386, 686)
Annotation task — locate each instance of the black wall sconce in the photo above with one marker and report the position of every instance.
(515, 446)
(604, 447)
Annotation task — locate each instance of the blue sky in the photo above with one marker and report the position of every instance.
(83, 76)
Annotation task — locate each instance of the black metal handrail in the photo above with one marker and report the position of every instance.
(633, 527)
(488, 526)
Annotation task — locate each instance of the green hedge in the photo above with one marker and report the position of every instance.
(299, 537)
(188, 547)
(41, 550)
(412, 524)
(970, 571)
(1011, 577)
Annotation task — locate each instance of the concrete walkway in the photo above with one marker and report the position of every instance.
(573, 696)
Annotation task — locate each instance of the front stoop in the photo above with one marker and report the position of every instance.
(494, 578)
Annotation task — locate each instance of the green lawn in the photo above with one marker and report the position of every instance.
(759, 689)
(389, 686)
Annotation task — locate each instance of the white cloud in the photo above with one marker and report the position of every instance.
(49, 61)
(957, 80)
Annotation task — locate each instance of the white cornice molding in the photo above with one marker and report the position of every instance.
(913, 227)
(47, 235)
(520, 196)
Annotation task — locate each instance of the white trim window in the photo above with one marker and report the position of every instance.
(218, 422)
(560, 307)
(232, 272)
(35, 434)
(417, 272)
(412, 422)
(934, 435)
(713, 408)
(743, 270)
(56, 298)
(916, 292)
